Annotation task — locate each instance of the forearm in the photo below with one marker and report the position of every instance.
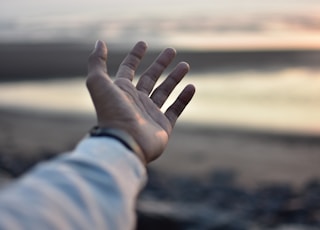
(94, 187)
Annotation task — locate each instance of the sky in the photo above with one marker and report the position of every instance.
(201, 24)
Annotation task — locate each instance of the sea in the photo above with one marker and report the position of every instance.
(285, 99)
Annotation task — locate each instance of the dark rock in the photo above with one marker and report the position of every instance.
(15, 166)
(177, 215)
(217, 202)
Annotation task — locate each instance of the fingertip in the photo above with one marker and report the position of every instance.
(184, 65)
(180, 71)
(189, 92)
(100, 48)
(191, 88)
(178, 106)
(98, 44)
(139, 49)
(142, 44)
(171, 51)
(97, 59)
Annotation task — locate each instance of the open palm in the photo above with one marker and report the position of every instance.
(136, 109)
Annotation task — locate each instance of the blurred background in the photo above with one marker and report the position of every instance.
(255, 117)
(255, 63)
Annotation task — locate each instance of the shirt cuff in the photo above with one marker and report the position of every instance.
(107, 149)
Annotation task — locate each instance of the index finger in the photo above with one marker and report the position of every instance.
(132, 60)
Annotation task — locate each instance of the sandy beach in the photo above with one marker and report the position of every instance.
(255, 157)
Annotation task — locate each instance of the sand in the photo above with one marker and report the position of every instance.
(255, 157)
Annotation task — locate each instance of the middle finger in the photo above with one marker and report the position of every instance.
(152, 74)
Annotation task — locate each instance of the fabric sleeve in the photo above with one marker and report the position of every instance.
(93, 187)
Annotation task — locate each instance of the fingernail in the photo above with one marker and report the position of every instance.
(98, 44)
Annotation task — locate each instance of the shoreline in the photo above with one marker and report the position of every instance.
(57, 60)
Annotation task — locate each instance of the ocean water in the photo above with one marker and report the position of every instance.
(283, 101)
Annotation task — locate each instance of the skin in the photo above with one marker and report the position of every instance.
(136, 109)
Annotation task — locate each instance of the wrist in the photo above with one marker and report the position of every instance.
(122, 136)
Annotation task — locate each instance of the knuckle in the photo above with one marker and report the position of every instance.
(91, 57)
(91, 79)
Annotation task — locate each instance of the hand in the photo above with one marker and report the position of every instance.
(136, 109)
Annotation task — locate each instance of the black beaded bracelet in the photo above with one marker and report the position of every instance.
(117, 134)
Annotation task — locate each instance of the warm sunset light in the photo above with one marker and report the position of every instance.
(243, 155)
(211, 25)
(243, 41)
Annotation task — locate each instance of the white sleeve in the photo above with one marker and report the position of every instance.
(93, 187)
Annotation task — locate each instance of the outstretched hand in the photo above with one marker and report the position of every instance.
(136, 109)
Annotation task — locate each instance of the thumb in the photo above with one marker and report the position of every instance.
(97, 59)
(97, 67)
